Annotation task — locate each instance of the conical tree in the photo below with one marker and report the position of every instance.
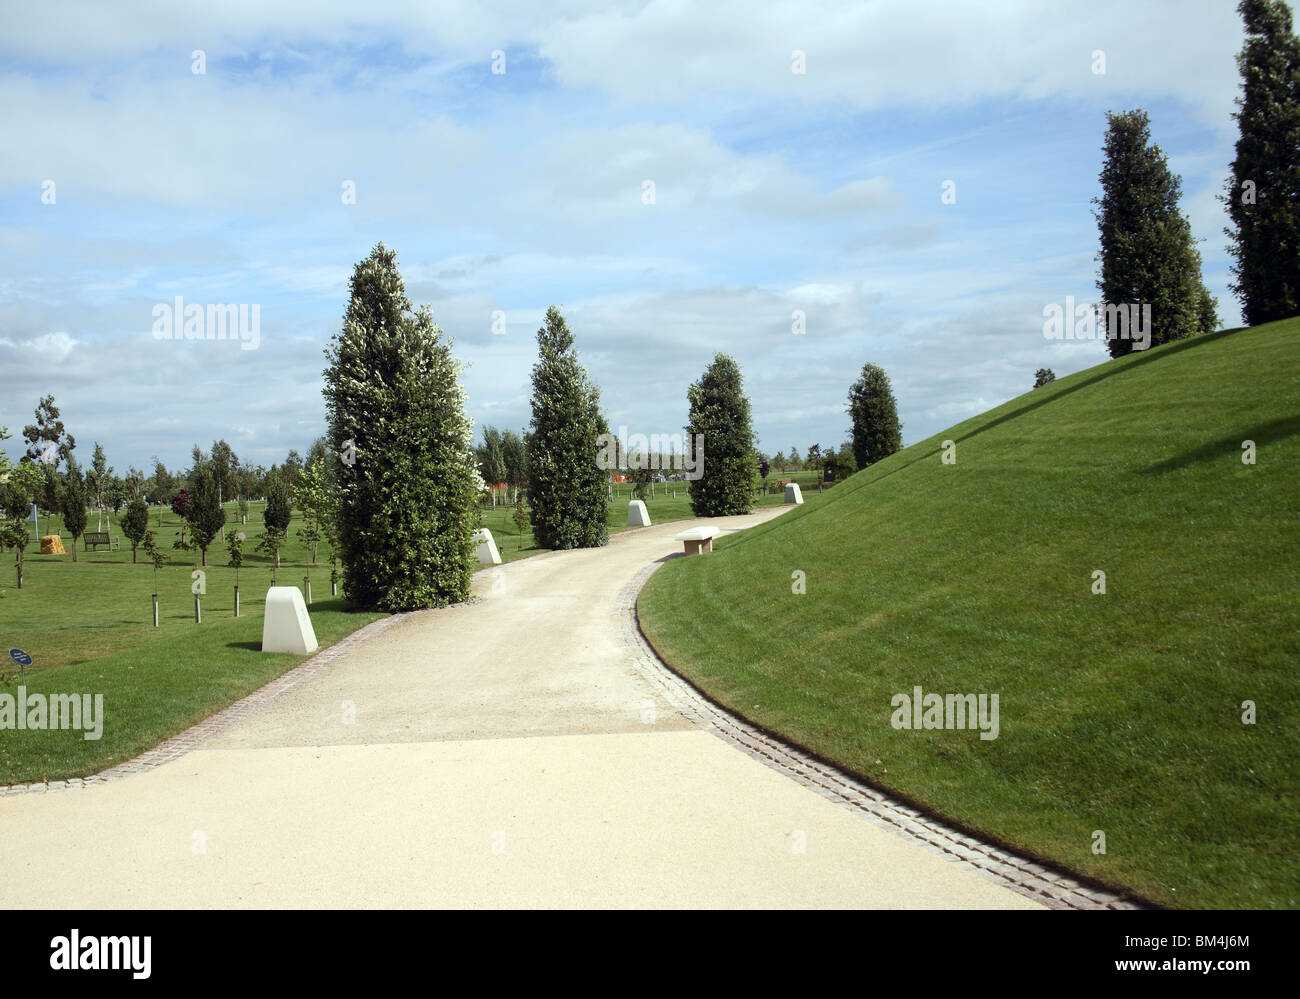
(566, 486)
(1263, 193)
(206, 516)
(720, 412)
(135, 522)
(279, 506)
(72, 503)
(876, 431)
(401, 449)
(1148, 256)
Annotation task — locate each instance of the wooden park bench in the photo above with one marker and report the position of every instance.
(97, 538)
(698, 540)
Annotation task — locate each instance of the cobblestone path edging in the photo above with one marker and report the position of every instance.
(1051, 888)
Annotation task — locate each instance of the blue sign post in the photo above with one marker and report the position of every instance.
(23, 660)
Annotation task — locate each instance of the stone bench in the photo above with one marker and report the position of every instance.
(698, 540)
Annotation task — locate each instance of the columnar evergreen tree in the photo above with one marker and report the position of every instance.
(135, 522)
(206, 516)
(876, 431)
(1148, 255)
(401, 449)
(566, 486)
(719, 410)
(72, 503)
(278, 509)
(1263, 193)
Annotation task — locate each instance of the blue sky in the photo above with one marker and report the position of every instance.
(775, 191)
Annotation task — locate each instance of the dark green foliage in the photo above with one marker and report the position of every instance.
(72, 504)
(278, 507)
(407, 490)
(135, 522)
(567, 489)
(876, 431)
(206, 516)
(1263, 194)
(839, 466)
(1147, 253)
(1042, 376)
(719, 410)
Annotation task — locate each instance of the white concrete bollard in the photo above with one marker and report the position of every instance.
(487, 548)
(637, 515)
(792, 493)
(287, 625)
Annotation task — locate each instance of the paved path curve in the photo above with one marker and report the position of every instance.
(515, 751)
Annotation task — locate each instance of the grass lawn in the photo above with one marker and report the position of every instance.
(89, 629)
(1120, 712)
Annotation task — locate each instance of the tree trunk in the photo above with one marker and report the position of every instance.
(133, 555)
(74, 548)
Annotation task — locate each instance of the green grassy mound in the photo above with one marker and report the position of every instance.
(1120, 713)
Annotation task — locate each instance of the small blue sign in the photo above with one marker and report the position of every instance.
(20, 657)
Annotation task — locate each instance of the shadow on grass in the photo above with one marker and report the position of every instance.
(250, 646)
(1229, 446)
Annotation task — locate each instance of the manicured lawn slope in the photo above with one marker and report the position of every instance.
(1119, 712)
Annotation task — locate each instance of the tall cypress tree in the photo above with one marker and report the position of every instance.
(402, 451)
(720, 411)
(876, 431)
(566, 487)
(1263, 194)
(1148, 255)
